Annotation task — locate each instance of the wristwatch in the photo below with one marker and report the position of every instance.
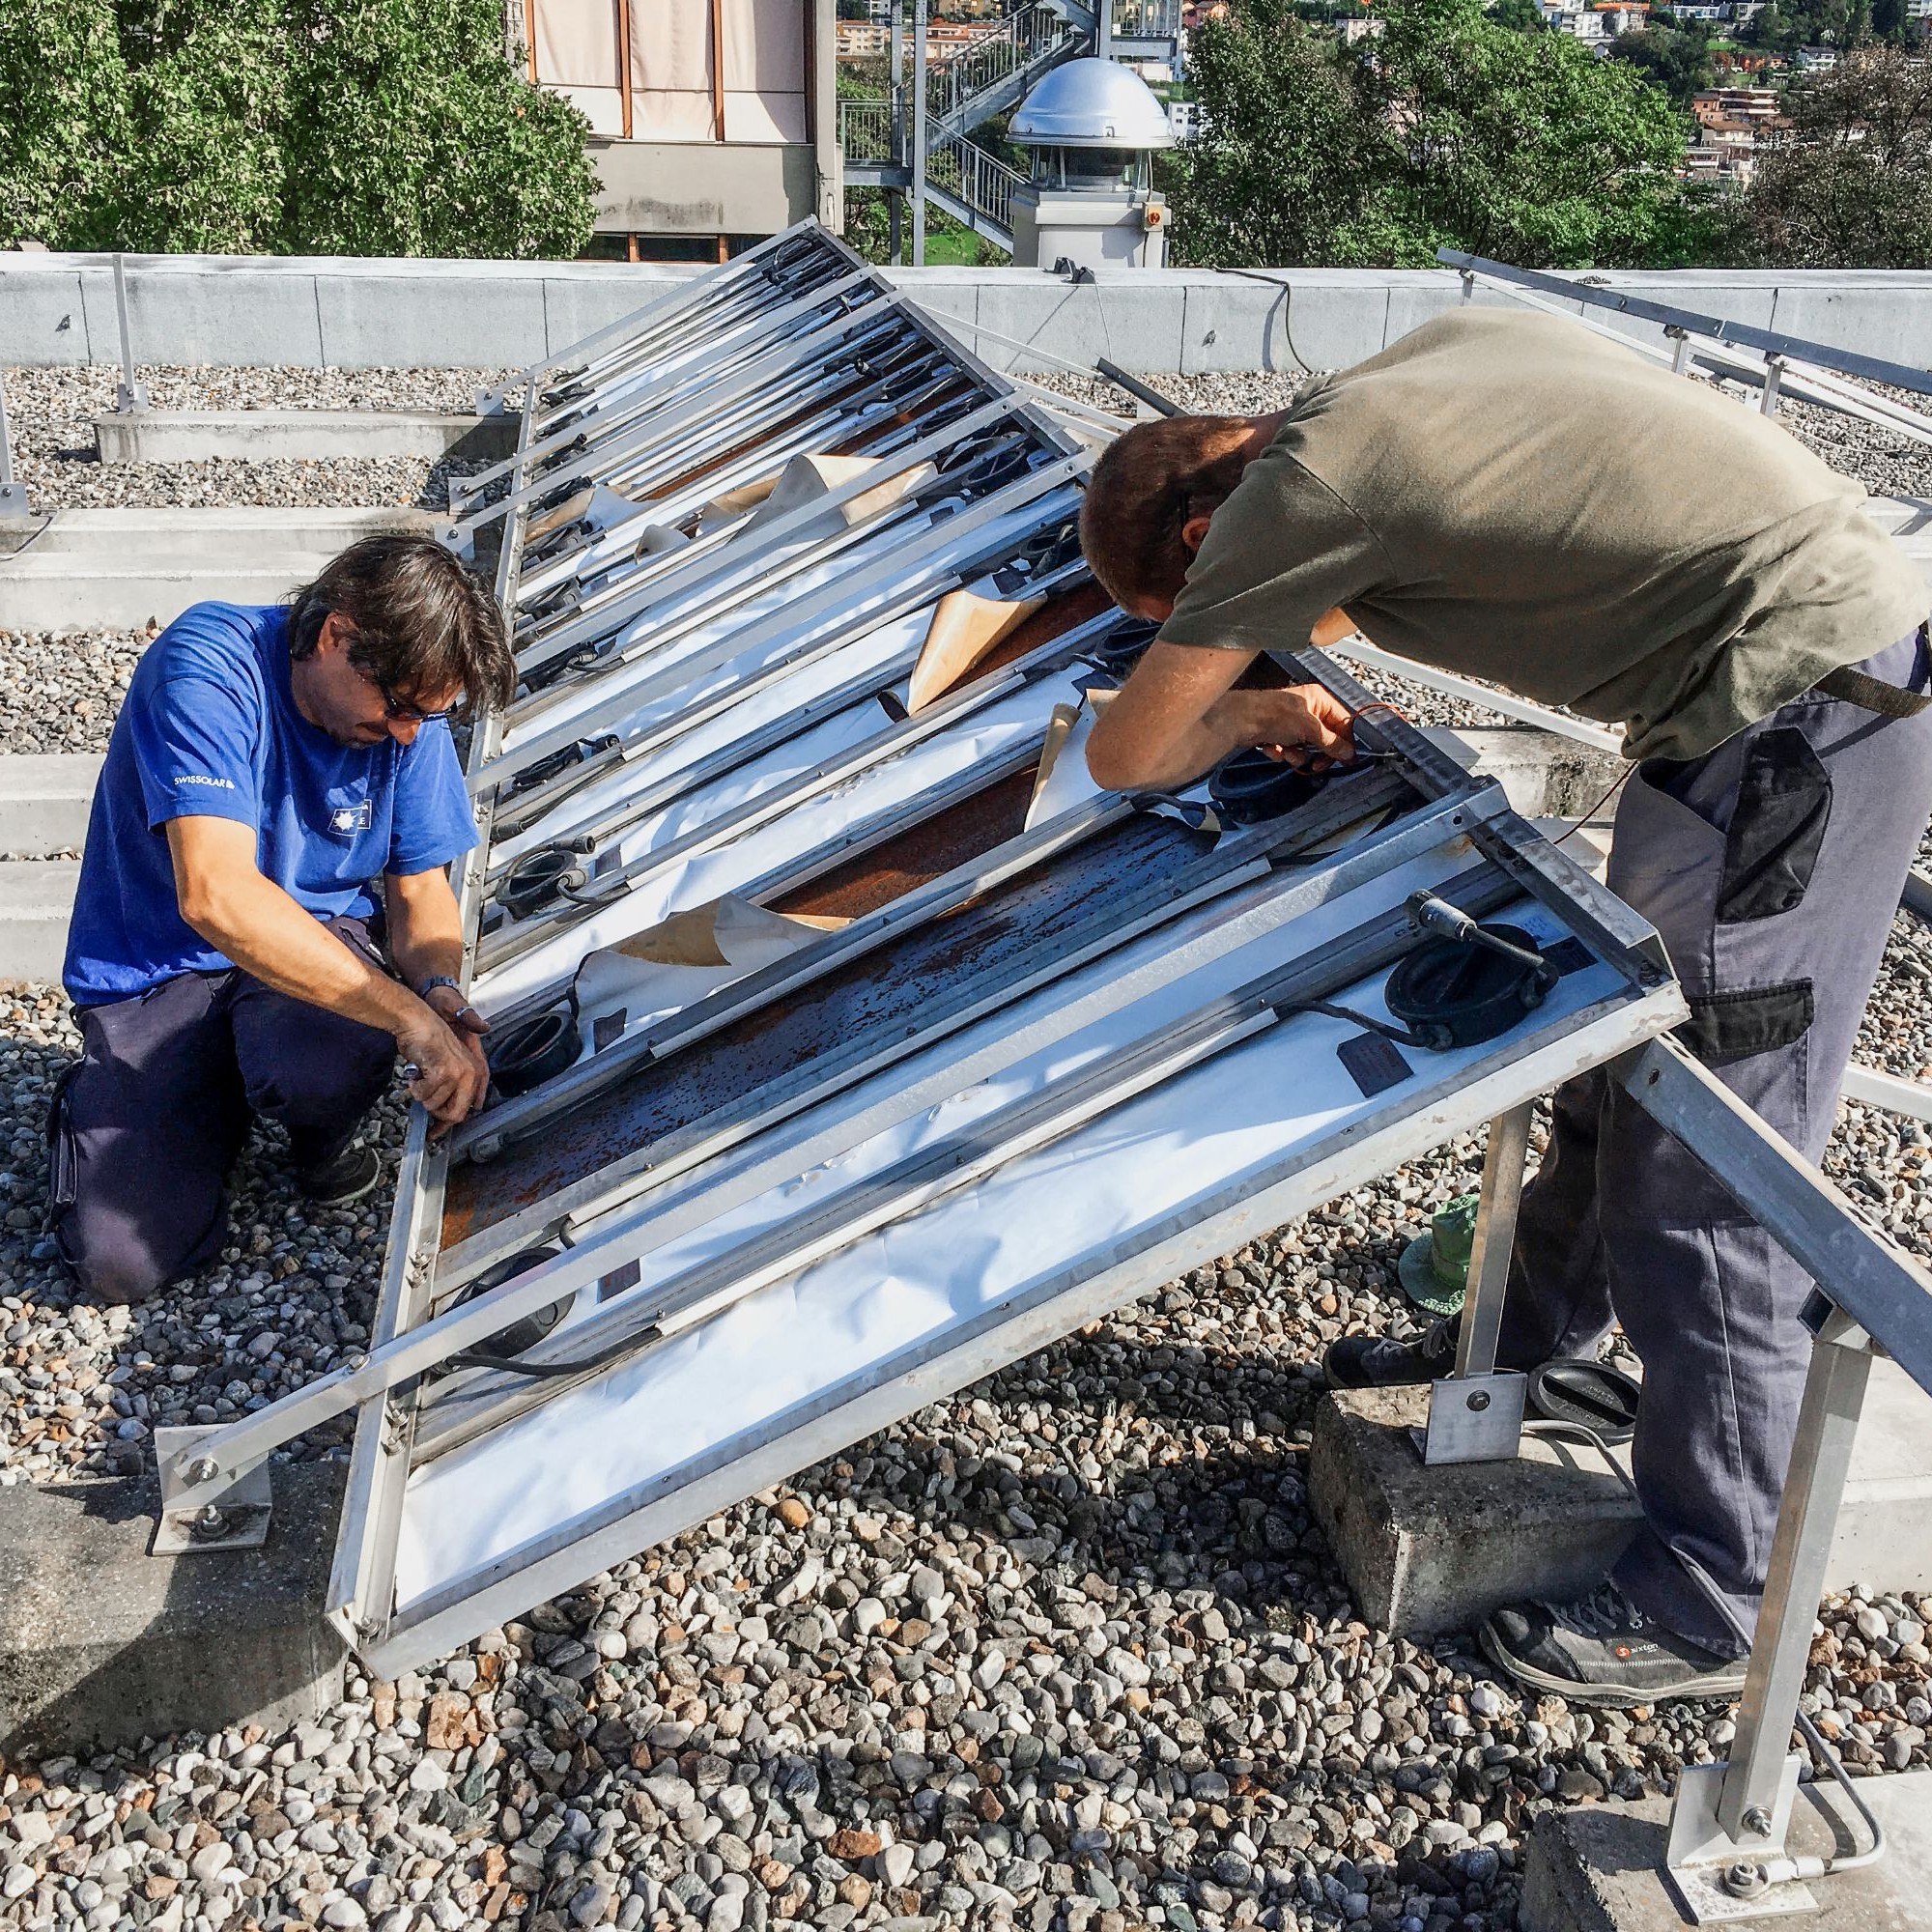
(437, 980)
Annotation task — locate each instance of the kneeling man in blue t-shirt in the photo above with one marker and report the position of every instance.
(227, 953)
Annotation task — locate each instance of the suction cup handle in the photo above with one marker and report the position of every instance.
(1434, 915)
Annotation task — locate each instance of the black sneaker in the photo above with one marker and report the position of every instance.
(334, 1183)
(1604, 1650)
(1375, 1362)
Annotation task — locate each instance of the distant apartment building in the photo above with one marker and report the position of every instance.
(1716, 105)
(713, 121)
(1594, 22)
(1817, 60)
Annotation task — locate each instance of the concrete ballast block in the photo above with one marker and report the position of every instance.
(1427, 1550)
(44, 799)
(314, 435)
(36, 908)
(103, 1645)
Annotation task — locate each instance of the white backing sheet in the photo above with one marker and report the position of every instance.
(1063, 1207)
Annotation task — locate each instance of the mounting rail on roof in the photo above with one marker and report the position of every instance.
(1847, 362)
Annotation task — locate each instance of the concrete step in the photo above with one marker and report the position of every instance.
(36, 905)
(44, 799)
(120, 568)
(310, 436)
(1427, 1550)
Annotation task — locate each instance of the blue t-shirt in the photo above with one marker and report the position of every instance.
(210, 729)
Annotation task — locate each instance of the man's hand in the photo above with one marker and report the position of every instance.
(452, 1076)
(1305, 725)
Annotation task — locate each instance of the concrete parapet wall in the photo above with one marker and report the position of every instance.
(356, 314)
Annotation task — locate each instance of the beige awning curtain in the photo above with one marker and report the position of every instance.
(674, 70)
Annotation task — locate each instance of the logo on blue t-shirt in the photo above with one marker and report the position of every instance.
(353, 817)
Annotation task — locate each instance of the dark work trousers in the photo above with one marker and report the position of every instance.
(1771, 868)
(147, 1123)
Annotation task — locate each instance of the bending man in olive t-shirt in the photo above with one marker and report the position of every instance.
(1505, 494)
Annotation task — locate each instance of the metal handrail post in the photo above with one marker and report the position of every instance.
(1503, 1167)
(133, 394)
(14, 502)
(1475, 1412)
(896, 136)
(921, 77)
(1729, 1821)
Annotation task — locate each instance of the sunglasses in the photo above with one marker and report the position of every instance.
(393, 708)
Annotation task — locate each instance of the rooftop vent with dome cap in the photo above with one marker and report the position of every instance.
(1093, 128)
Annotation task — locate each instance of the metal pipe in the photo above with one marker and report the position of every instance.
(13, 495)
(1163, 405)
(920, 77)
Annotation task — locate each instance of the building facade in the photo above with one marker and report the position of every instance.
(713, 121)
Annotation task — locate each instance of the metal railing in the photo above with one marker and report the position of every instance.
(865, 132)
(1033, 39)
(982, 182)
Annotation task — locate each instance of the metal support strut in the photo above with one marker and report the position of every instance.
(1475, 1415)
(1726, 1855)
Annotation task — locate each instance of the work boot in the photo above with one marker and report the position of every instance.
(334, 1183)
(1377, 1361)
(1603, 1650)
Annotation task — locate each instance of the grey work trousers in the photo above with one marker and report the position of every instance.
(1771, 868)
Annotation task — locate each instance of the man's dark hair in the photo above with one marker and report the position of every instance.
(1148, 482)
(424, 624)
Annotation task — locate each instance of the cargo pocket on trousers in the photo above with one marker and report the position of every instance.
(1728, 1026)
(1783, 806)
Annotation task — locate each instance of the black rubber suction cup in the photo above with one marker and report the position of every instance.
(1251, 786)
(525, 1332)
(1466, 992)
(1600, 1398)
(537, 1050)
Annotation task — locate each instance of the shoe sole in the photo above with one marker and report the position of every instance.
(343, 1200)
(1709, 1688)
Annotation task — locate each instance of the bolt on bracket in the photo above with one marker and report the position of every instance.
(236, 1516)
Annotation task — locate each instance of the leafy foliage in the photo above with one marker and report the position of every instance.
(306, 126)
(64, 109)
(1676, 58)
(1853, 189)
(1449, 130)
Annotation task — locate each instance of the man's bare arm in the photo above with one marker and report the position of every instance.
(1178, 715)
(426, 943)
(223, 895)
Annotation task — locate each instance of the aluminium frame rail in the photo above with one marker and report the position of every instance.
(1773, 363)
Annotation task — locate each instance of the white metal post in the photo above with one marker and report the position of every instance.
(897, 142)
(1103, 31)
(13, 495)
(919, 80)
(1774, 376)
(1475, 1415)
(133, 394)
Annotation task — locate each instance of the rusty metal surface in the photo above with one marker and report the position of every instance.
(848, 1016)
(936, 845)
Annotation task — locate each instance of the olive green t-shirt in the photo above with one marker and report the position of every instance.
(1508, 495)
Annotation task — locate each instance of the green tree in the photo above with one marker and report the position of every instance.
(308, 126)
(1519, 17)
(1853, 189)
(1676, 58)
(207, 97)
(1448, 131)
(64, 122)
(1286, 171)
(410, 133)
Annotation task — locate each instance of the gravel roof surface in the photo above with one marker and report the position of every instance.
(51, 412)
(1066, 1650)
